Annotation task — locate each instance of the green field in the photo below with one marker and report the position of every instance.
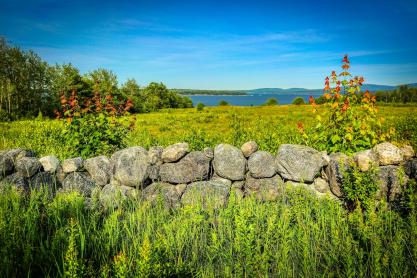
(269, 126)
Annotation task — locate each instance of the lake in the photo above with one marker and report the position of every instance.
(250, 99)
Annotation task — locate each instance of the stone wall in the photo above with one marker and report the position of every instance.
(179, 175)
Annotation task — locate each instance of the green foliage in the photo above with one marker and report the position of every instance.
(297, 235)
(298, 101)
(403, 94)
(200, 106)
(348, 121)
(271, 102)
(223, 103)
(359, 188)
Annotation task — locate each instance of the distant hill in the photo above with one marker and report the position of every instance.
(295, 91)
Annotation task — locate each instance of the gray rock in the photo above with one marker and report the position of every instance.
(72, 165)
(391, 182)
(266, 189)
(131, 166)
(407, 152)
(60, 175)
(294, 184)
(249, 148)
(238, 184)
(28, 166)
(365, 160)
(299, 163)
(217, 178)
(175, 152)
(78, 181)
(211, 194)
(195, 166)
(6, 165)
(112, 195)
(49, 163)
(17, 180)
(321, 185)
(261, 165)
(171, 194)
(18, 153)
(388, 154)
(229, 162)
(44, 179)
(155, 155)
(410, 168)
(238, 193)
(209, 152)
(99, 169)
(339, 163)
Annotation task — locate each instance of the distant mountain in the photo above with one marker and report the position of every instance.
(295, 91)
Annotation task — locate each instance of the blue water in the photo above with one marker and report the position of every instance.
(252, 99)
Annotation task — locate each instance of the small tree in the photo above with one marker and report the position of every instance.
(200, 106)
(298, 101)
(271, 102)
(223, 103)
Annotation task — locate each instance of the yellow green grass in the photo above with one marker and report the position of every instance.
(269, 126)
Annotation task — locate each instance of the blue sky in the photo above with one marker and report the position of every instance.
(221, 44)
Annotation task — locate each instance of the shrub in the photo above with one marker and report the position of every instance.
(91, 127)
(271, 102)
(298, 101)
(223, 103)
(348, 121)
(200, 106)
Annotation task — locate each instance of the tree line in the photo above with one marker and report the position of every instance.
(29, 86)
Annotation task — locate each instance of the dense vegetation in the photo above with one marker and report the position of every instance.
(403, 94)
(210, 92)
(297, 235)
(29, 86)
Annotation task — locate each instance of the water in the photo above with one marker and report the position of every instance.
(251, 99)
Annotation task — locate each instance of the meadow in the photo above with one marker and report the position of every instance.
(269, 126)
(299, 235)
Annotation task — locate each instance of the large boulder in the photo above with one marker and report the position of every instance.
(28, 166)
(207, 193)
(99, 169)
(338, 165)
(195, 166)
(299, 163)
(388, 154)
(112, 195)
(131, 166)
(229, 162)
(17, 180)
(155, 160)
(410, 168)
(50, 163)
(261, 165)
(44, 179)
(78, 181)
(72, 165)
(365, 160)
(170, 194)
(6, 164)
(175, 152)
(18, 153)
(266, 189)
(391, 182)
(249, 148)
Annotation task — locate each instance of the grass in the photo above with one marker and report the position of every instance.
(297, 235)
(269, 126)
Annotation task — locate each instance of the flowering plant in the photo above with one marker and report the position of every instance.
(348, 120)
(91, 126)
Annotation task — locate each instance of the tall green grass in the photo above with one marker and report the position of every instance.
(297, 235)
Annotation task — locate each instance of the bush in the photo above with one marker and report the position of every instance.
(271, 102)
(348, 121)
(200, 106)
(91, 127)
(298, 101)
(223, 103)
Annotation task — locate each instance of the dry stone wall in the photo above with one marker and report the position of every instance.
(182, 176)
